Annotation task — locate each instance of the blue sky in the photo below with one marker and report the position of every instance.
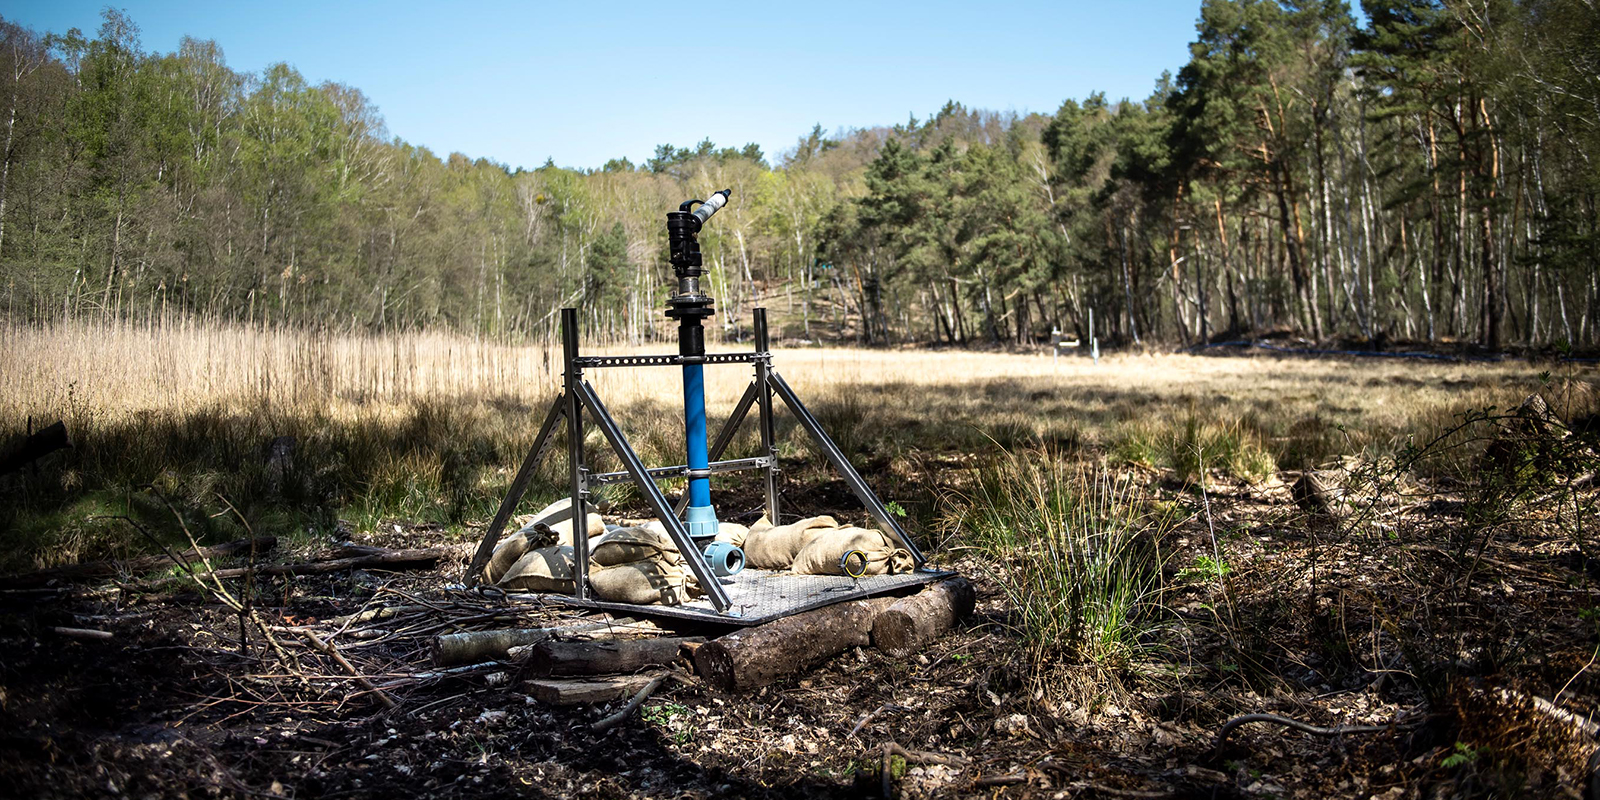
(585, 82)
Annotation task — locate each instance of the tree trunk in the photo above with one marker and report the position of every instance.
(914, 621)
(758, 656)
(106, 569)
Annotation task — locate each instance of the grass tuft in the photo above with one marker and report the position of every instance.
(1079, 559)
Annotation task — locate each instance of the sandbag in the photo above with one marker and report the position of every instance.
(551, 514)
(627, 545)
(548, 569)
(643, 583)
(563, 529)
(732, 533)
(775, 548)
(556, 518)
(821, 555)
(506, 554)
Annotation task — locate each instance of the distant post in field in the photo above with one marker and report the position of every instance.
(1094, 341)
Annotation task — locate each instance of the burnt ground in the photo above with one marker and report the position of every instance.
(1396, 618)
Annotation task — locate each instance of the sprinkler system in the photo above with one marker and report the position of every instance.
(690, 306)
(732, 594)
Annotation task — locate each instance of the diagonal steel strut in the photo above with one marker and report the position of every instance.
(652, 494)
(842, 464)
(519, 484)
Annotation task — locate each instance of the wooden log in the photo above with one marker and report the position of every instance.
(912, 622)
(417, 558)
(569, 692)
(603, 657)
(757, 656)
(105, 569)
(472, 646)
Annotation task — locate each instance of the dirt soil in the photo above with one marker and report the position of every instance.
(172, 705)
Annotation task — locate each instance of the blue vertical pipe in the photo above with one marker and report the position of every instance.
(701, 517)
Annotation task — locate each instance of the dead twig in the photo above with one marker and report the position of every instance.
(1007, 779)
(1112, 791)
(81, 633)
(924, 757)
(616, 719)
(333, 652)
(866, 718)
(1245, 719)
(218, 591)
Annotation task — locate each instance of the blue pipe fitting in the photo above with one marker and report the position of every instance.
(702, 518)
(724, 558)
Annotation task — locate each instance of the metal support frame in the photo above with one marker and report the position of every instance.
(763, 389)
(573, 375)
(679, 471)
(578, 395)
(657, 501)
(842, 464)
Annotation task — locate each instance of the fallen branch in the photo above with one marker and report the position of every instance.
(105, 569)
(616, 719)
(1008, 779)
(606, 657)
(464, 648)
(1245, 719)
(333, 652)
(420, 558)
(392, 559)
(867, 717)
(216, 590)
(81, 633)
(924, 757)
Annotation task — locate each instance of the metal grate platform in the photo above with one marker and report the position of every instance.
(762, 596)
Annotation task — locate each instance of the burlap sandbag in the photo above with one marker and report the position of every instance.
(821, 555)
(563, 529)
(627, 545)
(548, 569)
(775, 548)
(643, 583)
(732, 533)
(506, 553)
(557, 519)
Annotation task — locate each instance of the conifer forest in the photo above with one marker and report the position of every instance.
(1428, 175)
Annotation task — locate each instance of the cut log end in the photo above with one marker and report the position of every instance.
(912, 622)
(758, 656)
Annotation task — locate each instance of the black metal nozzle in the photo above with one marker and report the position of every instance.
(689, 305)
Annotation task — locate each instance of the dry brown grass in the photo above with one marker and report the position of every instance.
(430, 426)
(113, 370)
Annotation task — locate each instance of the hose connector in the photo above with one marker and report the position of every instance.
(710, 207)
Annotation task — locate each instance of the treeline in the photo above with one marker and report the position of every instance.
(1431, 174)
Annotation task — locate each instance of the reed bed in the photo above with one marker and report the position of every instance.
(429, 426)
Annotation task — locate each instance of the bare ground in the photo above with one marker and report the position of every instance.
(1400, 623)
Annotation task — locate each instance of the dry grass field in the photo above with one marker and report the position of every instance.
(1149, 563)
